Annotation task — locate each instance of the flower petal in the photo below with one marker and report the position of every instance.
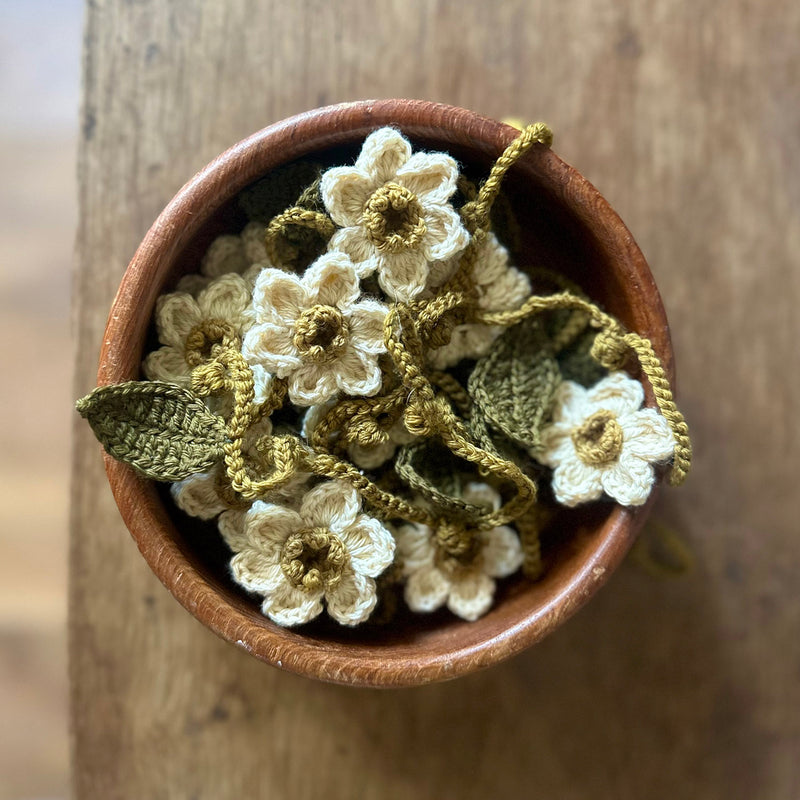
(197, 495)
(369, 544)
(232, 526)
(176, 315)
(312, 384)
(355, 243)
(225, 298)
(501, 552)
(357, 373)
(289, 606)
(471, 595)
(556, 444)
(575, 482)
(255, 572)
(253, 237)
(366, 326)
(570, 403)
(481, 495)
(403, 275)
(279, 297)
(629, 480)
(333, 504)
(618, 393)
(167, 364)
(262, 383)
(647, 434)
(269, 526)
(446, 235)
(430, 176)
(331, 281)
(345, 191)
(383, 153)
(426, 590)
(414, 547)
(271, 346)
(225, 254)
(352, 599)
(371, 456)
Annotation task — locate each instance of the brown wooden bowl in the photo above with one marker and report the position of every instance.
(567, 226)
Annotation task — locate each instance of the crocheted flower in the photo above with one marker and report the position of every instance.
(466, 586)
(394, 212)
(328, 550)
(208, 494)
(366, 456)
(314, 331)
(189, 327)
(500, 287)
(601, 440)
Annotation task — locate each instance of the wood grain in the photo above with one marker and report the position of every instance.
(685, 116)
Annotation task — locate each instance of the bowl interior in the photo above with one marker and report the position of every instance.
(564, 226)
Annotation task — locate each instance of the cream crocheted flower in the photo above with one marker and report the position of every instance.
(394, 213)
(500, 287)
(207, 494)
(601, 440)
(188, 327)
(434, 578)
(328, 550)
(315, 332)
(365, 456)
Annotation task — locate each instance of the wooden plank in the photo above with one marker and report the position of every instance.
(685, 115)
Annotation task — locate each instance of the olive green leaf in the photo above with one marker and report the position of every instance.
(512, 386)
(432, 470)
(162, 430)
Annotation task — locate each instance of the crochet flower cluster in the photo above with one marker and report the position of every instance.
(384, 392)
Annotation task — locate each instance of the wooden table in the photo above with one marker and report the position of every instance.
(686, 116)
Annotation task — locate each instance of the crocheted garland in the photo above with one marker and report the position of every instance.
(364, 392)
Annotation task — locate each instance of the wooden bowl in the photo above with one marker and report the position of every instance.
(567, 226)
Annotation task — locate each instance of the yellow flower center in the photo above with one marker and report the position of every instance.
(599, 439)
(313, 558)
(321, 333)
(199, 345)
(393, 218)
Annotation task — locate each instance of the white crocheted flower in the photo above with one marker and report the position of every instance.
(434, 578)
(314, 331)
(394, 212)
(601, 440)
(328, 550)
(500, 287)
(365, 456)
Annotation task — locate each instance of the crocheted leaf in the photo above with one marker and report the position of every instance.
(577, 364)
(513, 385)
(277, 191)
(431, 470)
(160, 429)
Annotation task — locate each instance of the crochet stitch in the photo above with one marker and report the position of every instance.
(363, 365)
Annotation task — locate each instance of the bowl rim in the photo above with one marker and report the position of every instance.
(140, 504)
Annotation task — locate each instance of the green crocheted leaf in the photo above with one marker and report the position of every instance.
(280, 189)
(160, 429)
(433, 471)
(577, 364)
(512, 386)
